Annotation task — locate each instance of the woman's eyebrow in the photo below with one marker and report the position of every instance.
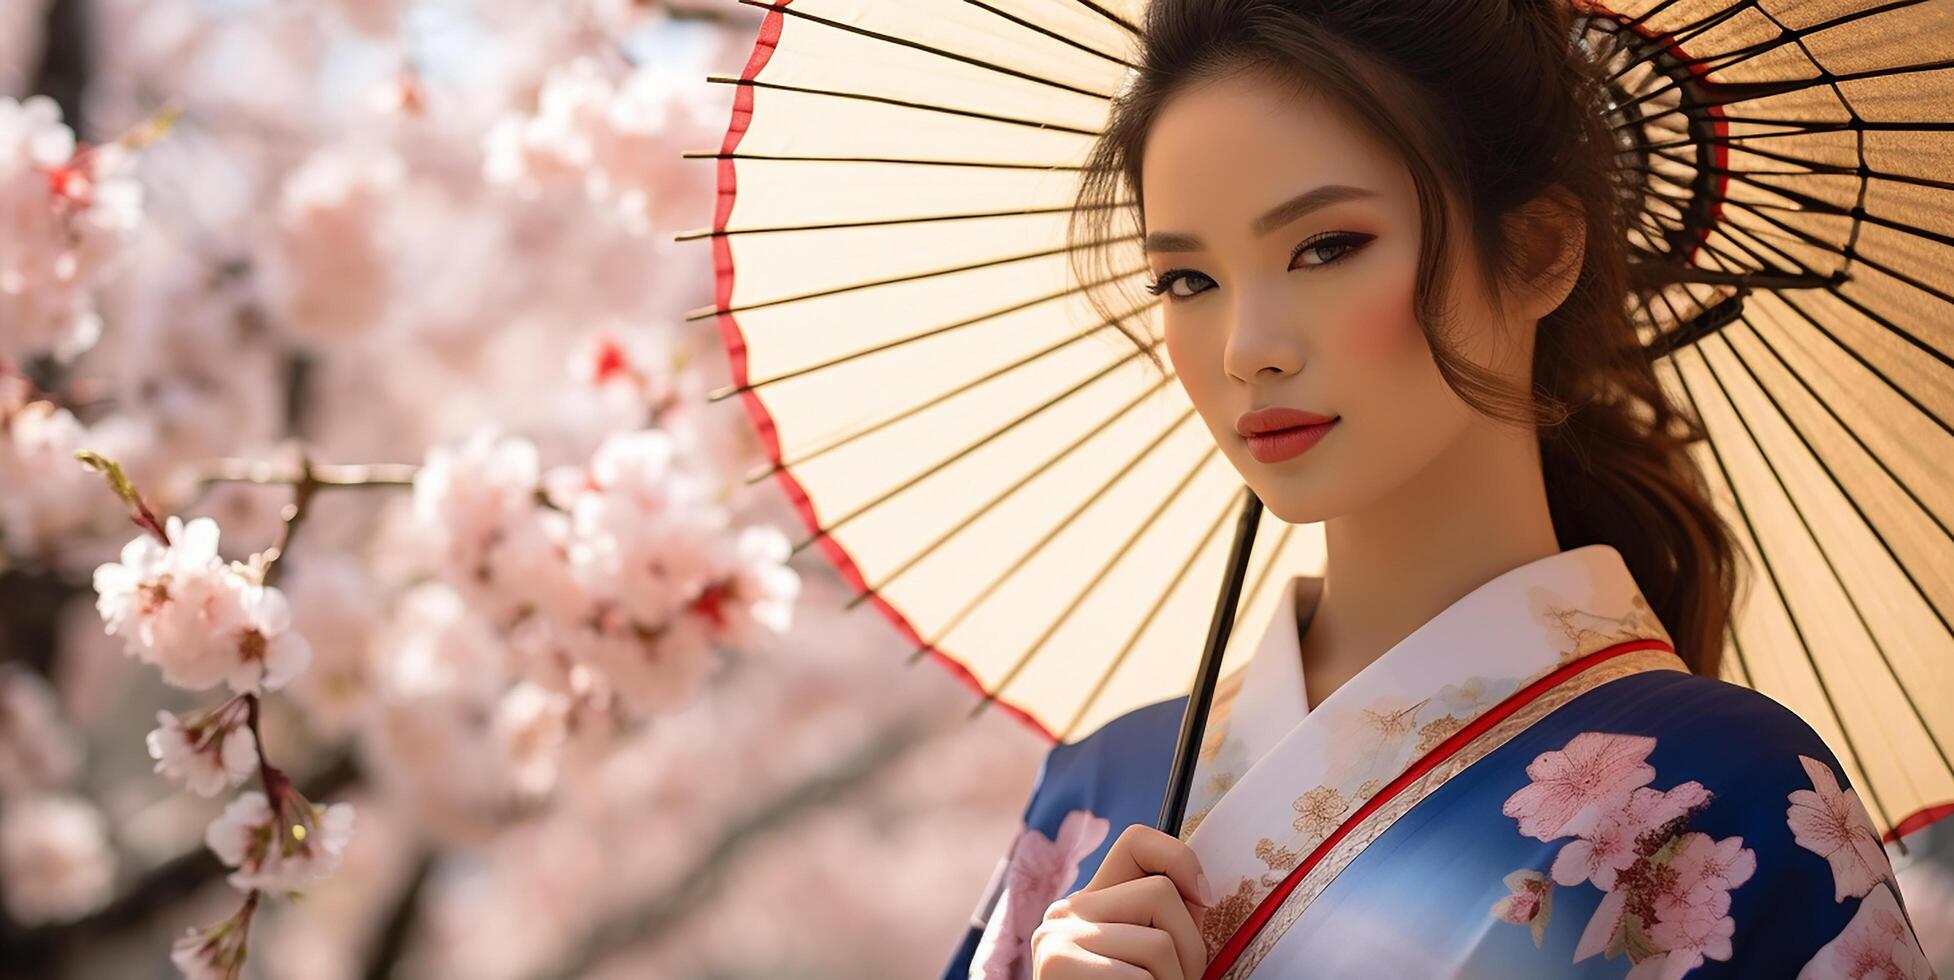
(1282, 214)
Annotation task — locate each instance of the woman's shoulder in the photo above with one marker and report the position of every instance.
(1756, 760)
(1739, 725)
(1743, 830)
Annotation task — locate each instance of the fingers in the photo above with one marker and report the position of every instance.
(1142, 850)
(1069, 962)
(1152, 903)
(1116, 948)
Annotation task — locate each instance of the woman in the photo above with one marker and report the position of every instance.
(1488, 740)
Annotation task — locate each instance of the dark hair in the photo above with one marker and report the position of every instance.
(1496, 102)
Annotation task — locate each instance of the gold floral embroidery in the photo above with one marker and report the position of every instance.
(1276, 856)
(1280, 860)
(1438, 730)
(1392, 725)
(1318, 812)
(1227, 916)
(1369, 788)
(1188, 825)
(1334, 861)
(1582, 632)
(1212, 743)
(1221, 782)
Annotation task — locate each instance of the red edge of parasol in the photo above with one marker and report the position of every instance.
(735, 342)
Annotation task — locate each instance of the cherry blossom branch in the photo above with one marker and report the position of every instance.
(311, 475)
(43, 950)
(180, 606)
(142, 517)
(316, 476)
(645, 923)
(289, 517)
(393, 940)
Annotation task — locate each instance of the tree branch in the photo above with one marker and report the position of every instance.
(659, 915)
(396, 933)
(46, 951)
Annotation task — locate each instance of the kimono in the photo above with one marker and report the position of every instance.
(1531, 784)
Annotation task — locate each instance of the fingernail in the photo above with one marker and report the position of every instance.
(1207, 890)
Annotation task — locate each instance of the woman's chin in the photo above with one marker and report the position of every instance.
(1299, 502)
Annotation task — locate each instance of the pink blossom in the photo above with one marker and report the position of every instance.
(216, 951)
(330, 273)
(648, 542)
(183, 609)
(1876, 945)
(212, 752)
(378, 18)
(1530, 903)
(279, 849)
(649, 559)
(1608, 838)
(647, 374)
(1831, 822)
(178, 607)
(1604, 927)
(1695, 929)
(465, 494)
(1593, 770)
(65, 215)
(753, 590)
(531, 562)
(1040, 870)
(336, 608)
(38, 751)
(1599, 855)
(48, 496)
(436, 690)
(607, 134)
(530, 727)
(268, 653)
(56, 863)
(1700, 865)
(653, 670)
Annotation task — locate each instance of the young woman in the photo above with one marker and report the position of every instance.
(1488, 741)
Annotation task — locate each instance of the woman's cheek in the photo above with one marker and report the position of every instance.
(1186, 358)
(1381, 331)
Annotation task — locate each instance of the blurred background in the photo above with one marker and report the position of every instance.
(391, 286)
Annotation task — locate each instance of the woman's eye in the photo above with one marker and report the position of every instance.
(1337, 243)
(1165, 284)
(1329, 248)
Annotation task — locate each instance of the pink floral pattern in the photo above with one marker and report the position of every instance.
(1876, 945)
(1040, 871)
(1594, 770)
(1606, 839)
(1832, 823)
(1666, 889)
(1531, 902)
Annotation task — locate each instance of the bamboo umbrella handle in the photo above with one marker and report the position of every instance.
(1180, 778)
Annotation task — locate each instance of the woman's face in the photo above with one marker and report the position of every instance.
(1310, 309)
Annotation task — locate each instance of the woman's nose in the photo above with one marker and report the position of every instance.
(1266, 333)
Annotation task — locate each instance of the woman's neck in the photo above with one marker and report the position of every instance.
(1478, 511)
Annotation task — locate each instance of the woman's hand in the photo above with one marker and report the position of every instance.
(1138, 918)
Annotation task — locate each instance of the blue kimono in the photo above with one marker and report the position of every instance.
(1530, 784)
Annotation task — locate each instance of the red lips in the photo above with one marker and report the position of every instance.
(1274, 419)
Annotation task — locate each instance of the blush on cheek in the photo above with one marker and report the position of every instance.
(1384, 330)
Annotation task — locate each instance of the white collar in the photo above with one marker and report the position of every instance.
(1516, 626)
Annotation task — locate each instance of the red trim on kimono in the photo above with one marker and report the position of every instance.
(1225, 958)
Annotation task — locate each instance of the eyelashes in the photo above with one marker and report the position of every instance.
(1345, 242)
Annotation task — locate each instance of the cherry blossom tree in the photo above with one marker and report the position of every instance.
(368, 535)
(380, 592)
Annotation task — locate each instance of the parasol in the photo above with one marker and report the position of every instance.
(1014, 486)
